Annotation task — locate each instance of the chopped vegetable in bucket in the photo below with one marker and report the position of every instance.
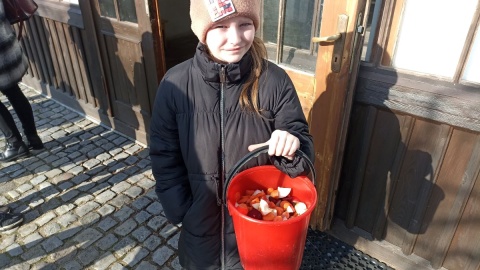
(270, 205)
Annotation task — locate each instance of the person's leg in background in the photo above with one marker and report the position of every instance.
(22, 107)
(14, 145)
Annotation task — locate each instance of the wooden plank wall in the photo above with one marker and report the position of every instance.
(57, 57)
(414, 183)
(64, 60)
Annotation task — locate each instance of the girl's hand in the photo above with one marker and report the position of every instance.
(281, 143)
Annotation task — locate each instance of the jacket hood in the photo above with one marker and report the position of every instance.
(210, 69)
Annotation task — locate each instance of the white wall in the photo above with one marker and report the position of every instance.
(176, 17)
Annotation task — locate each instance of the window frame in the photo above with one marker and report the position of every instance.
(445, 100)
(279, 48)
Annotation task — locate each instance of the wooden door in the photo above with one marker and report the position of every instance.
(327, 97)
(130, 54)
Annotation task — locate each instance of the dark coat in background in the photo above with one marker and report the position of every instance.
(186, 148)
(13, 63)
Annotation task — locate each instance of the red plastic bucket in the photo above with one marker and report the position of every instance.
(266, 244)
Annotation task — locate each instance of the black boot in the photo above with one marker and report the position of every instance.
(14, 150)
(35, 144)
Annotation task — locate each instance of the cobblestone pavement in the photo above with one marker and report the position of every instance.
(88, 200)
(89, 203)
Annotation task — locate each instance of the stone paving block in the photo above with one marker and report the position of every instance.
(141, 234)
(66, 219)
(174, 241)
(106, 210)
(117, 178)
(146, 266)
(120, 187)
(69, 232)
(43, 266)
(25, 230)
(24, 188)
(45, 218)
(63, 209)
(51, 243)
(87, 237)
(86, 208)
(107, 241)
(84, 199)
(33, 255)
(65, 186)
(120, 201)
(117, 168)
(141, 203)
(117, 266)
(152, 242)
(144, 163)
(107, 223)
(135, 256)
(14, 249)
(62, 255)
(146, 183)
(69, 195)
(175, 264)
(126, 227)
(124, 213)
(142, 217)
(161, 256)
(131, 170)
(156, 223)
(51, 204)
(73, 265)
(49, 229)
(133, 192)
(104, 262)
(123, 246)
(38, 179)
(87, 256)
(89, 219)
(155, 208)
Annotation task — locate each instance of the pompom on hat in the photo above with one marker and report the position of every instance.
(204, 13)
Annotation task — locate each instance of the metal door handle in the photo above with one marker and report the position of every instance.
(339, 42)
(327, 39)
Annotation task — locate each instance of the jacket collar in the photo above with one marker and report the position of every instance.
(211, 70)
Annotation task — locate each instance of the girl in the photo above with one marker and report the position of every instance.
(208, 113)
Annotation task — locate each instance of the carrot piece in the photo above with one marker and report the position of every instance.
(274, 194)
(249, 191)
(271, 204)
(254, 200)
(242, 208)
(278, 218)
(269, 217)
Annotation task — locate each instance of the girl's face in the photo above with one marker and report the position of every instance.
(229, 40)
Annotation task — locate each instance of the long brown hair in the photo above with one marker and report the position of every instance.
(249, 94)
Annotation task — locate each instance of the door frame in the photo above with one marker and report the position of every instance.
(327, 100)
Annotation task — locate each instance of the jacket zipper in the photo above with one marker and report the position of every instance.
(222, 138)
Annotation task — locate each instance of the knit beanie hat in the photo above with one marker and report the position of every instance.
(204, 13)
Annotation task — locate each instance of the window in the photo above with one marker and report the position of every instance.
(287, 29)
(125, 8)
(432, 37)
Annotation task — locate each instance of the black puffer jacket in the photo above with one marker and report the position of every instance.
(186, 148)
(13, 63)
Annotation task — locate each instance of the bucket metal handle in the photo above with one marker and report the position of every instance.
(256, 153)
